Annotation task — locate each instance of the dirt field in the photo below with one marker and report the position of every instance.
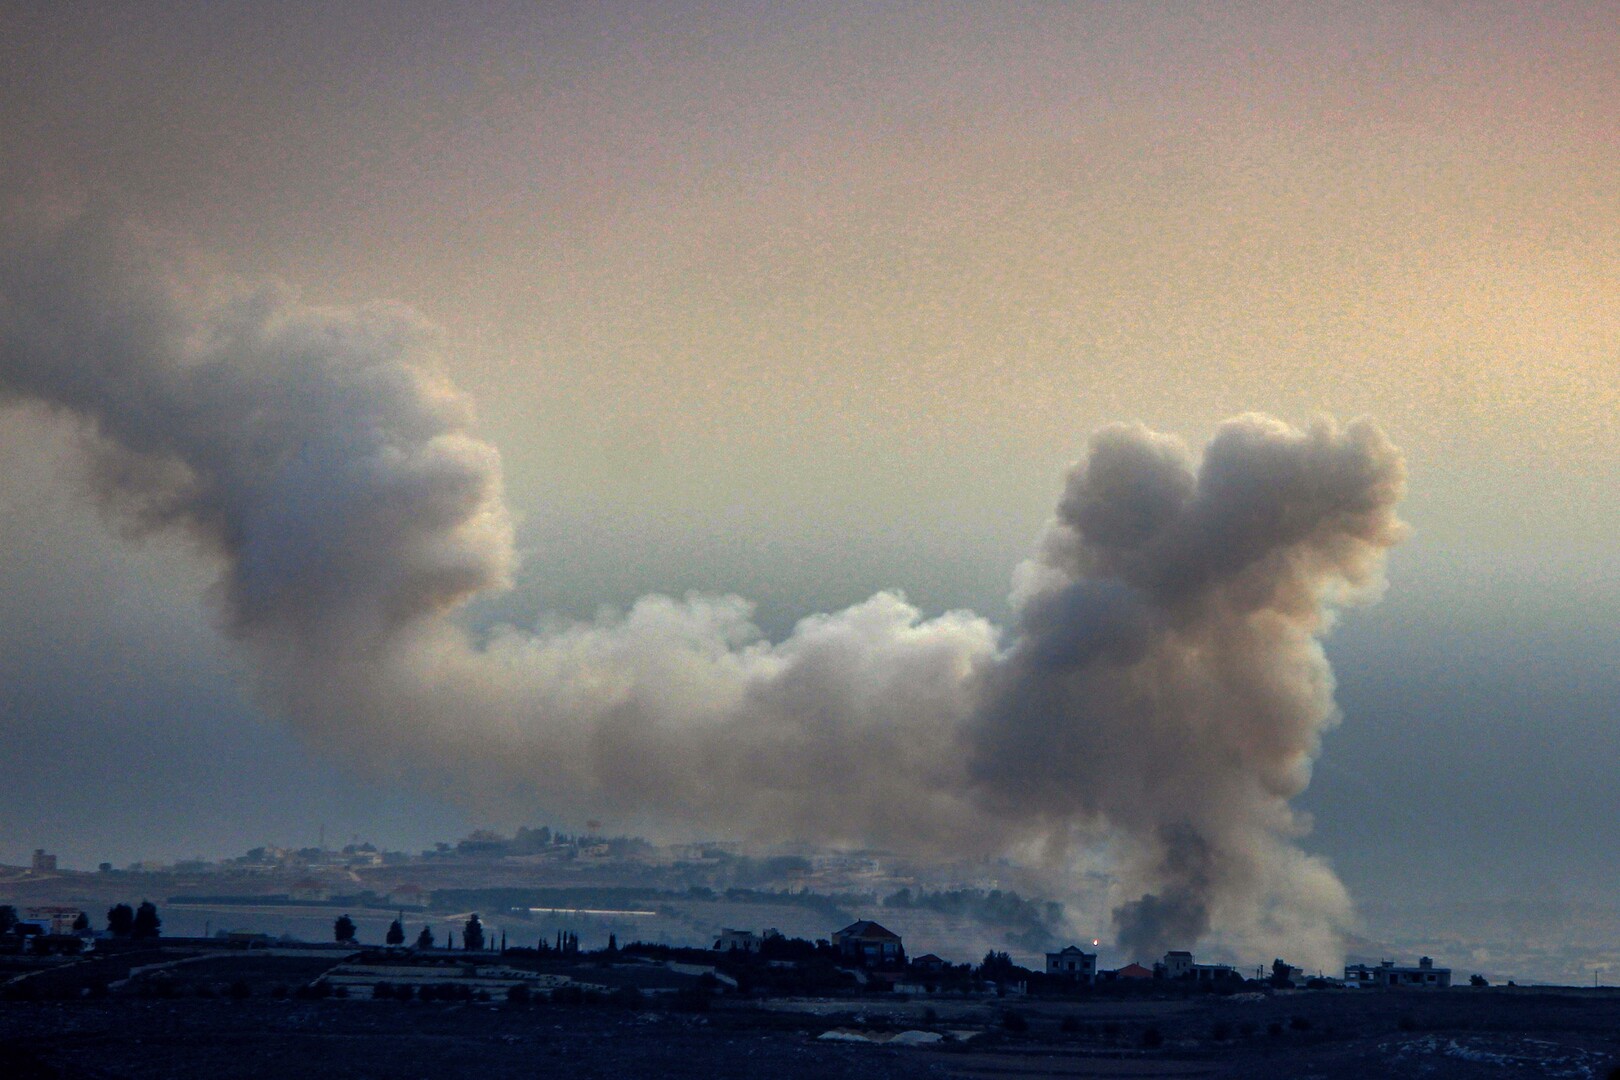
(179, 1025)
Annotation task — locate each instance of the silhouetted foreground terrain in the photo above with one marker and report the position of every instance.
(253, 1022)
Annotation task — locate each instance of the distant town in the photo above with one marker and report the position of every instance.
(610, 956)
(543, 890)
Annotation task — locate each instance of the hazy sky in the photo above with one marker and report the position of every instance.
(800, 304)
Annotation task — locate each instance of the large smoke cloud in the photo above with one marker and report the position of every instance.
(1161, 695)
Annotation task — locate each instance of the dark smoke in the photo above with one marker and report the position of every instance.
(1158, 703)
(1179, 914)
(1167, 676)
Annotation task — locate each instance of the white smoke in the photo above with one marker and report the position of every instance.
(1163, 689)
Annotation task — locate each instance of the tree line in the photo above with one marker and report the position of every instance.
(345, 932)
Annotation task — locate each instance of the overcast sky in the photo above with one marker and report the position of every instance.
(802, 304)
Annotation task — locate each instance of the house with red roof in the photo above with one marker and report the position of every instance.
(867, 943)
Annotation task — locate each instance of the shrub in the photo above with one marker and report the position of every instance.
(1274, 1029)
(1014, 1021)
(1300, 1023)
(691, 1000)
(445, 991)
(240, 990)
(1221, 1031)
(1152, 1038)
(517, 995)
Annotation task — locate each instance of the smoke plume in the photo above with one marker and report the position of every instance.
(1160, 696)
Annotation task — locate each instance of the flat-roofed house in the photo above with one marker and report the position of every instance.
(737, 941)
(1072, 963)
(1178, 965)
(1390, 974)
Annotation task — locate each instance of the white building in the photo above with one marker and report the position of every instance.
(53, 919)
(1072, 963)
(1178, 964)
(1388, 973)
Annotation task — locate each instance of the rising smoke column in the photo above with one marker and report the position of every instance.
(1167, 675)
(1162, 693)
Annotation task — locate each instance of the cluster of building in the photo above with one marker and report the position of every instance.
(319, 870)
(865, 943)
(47, 929)
(1178, 965)
(1077, 965)
(868, 944)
